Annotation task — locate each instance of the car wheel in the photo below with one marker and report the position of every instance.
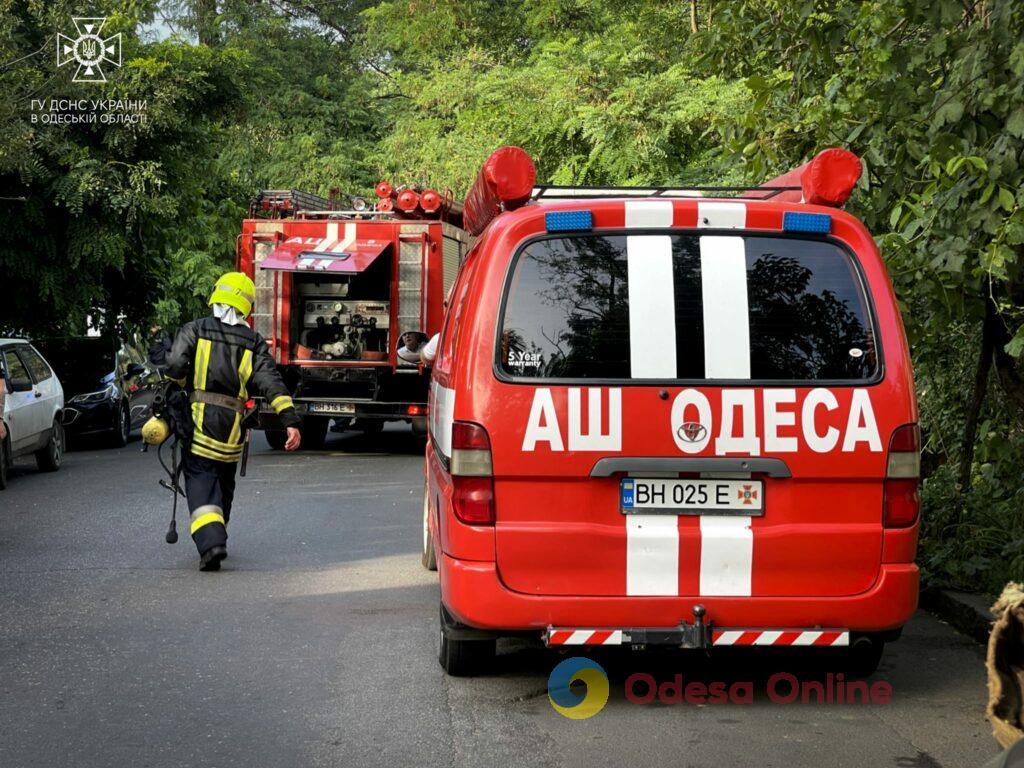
(464, 658)
(122, 429)
(863, 657)
(4, 462)
(314, 432)
(49, 458)
(429, 558)
(276, 438)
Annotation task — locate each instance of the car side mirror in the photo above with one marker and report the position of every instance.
(135, 370)
(21, 385)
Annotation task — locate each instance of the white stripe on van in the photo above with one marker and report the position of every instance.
(648, 213)
(723, 270)
(726, 555)
(652, 307)
(652, 554)
(721, 215)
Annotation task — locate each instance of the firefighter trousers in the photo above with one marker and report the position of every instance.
(210, 488)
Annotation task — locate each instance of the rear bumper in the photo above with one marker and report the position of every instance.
(346, 408)
(474, 595)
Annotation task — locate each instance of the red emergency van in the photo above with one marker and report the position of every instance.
(670, 416)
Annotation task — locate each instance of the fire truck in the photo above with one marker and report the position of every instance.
(340, 289)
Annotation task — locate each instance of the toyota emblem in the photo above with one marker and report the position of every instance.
(692, 431)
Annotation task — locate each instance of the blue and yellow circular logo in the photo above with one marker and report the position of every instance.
(578, 706)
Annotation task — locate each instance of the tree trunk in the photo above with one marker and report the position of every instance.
(693, 16)
(989, 330)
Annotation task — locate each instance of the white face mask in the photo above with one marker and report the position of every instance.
(228, 314)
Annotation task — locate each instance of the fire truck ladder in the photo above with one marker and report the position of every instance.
(287, 201)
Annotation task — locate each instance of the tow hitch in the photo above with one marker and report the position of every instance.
(686, 635)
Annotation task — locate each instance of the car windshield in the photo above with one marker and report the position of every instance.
(686, 307)
(82, 365)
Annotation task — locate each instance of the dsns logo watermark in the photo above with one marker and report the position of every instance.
(573, 704)
(89, 50)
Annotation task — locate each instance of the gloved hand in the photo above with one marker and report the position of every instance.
(294, 438)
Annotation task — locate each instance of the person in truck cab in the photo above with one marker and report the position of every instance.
(221, 361)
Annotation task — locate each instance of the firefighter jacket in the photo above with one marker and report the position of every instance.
(233, 360)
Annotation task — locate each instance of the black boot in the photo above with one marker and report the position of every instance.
(210, 559)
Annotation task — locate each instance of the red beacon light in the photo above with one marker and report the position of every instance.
(384, 189)
(408, 200)
(505, 182)
(430, 201)
(385, 205)
(827, 179)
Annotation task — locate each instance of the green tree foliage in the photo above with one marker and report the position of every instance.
(104, 204)
(599, 92)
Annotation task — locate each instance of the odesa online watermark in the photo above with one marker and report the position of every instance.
(586, 700)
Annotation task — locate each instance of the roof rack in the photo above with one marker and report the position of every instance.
(549, 192)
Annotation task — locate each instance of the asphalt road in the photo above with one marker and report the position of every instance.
(316, 646)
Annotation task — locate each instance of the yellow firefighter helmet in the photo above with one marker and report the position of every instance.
(155, 431)
(236, 290)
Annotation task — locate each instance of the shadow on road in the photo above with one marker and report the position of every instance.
(394, 440)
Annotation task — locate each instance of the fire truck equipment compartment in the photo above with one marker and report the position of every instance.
(300, 255)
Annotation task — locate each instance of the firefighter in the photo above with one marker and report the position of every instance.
(221, 361)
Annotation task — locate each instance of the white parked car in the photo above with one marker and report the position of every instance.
(33, 408)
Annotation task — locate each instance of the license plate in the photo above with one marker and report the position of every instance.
(639, 495)
(332, 408)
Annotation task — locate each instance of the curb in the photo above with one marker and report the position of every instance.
(967, 612)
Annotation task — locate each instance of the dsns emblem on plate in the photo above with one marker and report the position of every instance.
(692, 431)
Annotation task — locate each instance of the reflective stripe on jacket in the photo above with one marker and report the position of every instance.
(228, 360)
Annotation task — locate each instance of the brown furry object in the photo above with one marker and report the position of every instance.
(1005, 665)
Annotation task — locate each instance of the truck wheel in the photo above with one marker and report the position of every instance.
(4, 461)
(370, 426)
(50, 456)
(314, 432)
(429, 558)
(419, 426)
(276, 438)
(465, 658)
(863, 657)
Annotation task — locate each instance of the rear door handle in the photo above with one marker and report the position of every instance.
(770, 467)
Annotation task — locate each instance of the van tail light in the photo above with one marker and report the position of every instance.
(902, 503)
(472, 477)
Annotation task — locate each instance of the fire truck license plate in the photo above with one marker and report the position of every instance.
(331, 408)
(691, 497)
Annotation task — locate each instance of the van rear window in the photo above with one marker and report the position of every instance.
(686, 307)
